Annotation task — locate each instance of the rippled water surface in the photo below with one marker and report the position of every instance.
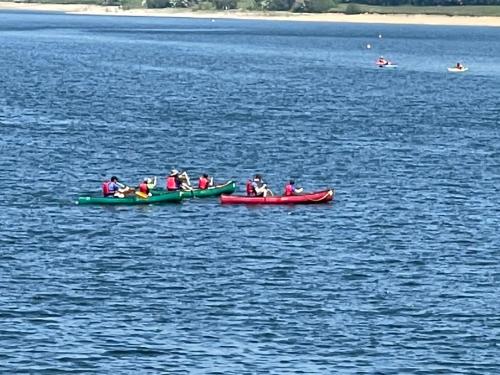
(399, 275)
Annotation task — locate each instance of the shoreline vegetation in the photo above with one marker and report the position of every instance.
(404, 14)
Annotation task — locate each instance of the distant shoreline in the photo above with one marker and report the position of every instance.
(405, 19)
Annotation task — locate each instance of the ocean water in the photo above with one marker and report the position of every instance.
(399, 275)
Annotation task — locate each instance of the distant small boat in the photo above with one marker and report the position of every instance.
(387, 66)
(458, 70)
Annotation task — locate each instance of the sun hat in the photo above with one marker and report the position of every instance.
(174, 172)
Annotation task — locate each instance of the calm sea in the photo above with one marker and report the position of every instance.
(399, 275)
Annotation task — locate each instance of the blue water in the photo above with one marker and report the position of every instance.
(399, 275)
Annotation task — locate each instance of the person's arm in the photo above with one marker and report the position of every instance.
(153, 185)
(185, 177)
(261, 189)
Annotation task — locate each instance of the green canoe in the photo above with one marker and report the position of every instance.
(174, 196)
(214, 191)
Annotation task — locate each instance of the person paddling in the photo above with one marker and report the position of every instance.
(147, 185)
(259, 187)
(290, 189)
(249, 188)
(381, 61)
(173, 182)
(204, 182)
(459, 66)
(114, 188)
(177, 180)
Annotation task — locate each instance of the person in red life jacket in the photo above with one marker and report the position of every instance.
(259, 187)
(204, 182)
(178, 181)
(147, 185)
(250, 189)
(114, 188)
(290, 189)
(381, 61)
(173, 182)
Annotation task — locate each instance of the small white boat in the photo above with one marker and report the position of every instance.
(387, 66)
(458, 70)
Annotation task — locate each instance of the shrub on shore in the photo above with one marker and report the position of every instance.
(353, 9)
(247, 5)
(319, 6)
(204, 5)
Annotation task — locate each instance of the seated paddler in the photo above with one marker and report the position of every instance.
(113, 188)
(259, 187)
(178, 181)
(290, 189)
(147, 185)
(205, 181)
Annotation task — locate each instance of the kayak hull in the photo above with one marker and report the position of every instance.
(388, 66)
(171, 197)
(213, 191)
(324, 196)
(456, 70)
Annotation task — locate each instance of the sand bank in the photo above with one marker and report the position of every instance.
(419, 19)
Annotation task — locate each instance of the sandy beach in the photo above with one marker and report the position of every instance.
(277, 16)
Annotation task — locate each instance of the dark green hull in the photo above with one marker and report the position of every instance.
(175, 196)
(214, 191)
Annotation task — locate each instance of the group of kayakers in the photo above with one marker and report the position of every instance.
(256, 187)
(177, 180)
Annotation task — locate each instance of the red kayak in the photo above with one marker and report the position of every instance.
(307, 198)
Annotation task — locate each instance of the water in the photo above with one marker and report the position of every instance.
(399, 275)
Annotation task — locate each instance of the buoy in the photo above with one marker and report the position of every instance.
(368, 46)
(380, 36)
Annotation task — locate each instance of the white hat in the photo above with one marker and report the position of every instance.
(174, 172)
